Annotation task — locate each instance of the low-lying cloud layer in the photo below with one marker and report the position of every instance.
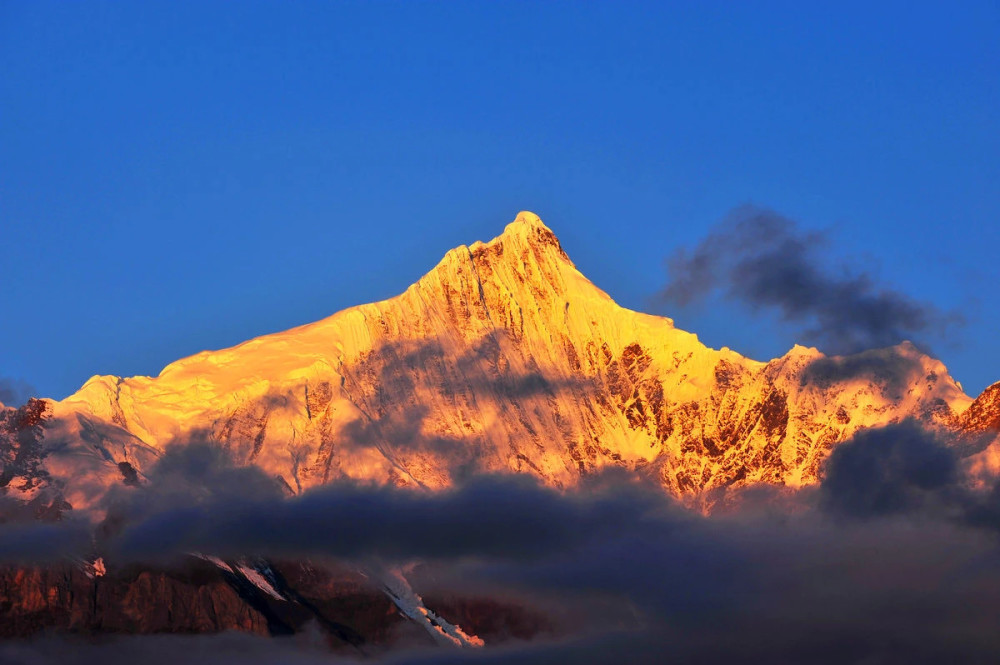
(493, 517)
(893, 558)
(763, 260)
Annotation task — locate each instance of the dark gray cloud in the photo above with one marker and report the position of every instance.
(15, 392)
(887, 561)
(894, 558)
(488, 516)
(253, 650)
(907, 470)
(897, 469)
(168, 650)
(891, 368)
(35, 543)
(763, 260)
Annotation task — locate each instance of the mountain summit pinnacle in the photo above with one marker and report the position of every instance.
(527, 231)
(527, 225)
(528, 218)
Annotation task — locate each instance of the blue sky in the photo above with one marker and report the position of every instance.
(182, 176)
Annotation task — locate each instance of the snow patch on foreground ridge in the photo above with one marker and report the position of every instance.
(258, 575)
(412, 606)
(391, 581)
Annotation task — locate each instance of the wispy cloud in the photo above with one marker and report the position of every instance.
(764, 260)
(15, 392)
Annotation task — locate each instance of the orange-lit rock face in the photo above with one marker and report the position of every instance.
(504, 357)
(984, 413)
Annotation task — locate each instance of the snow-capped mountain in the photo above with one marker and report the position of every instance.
(503, 357)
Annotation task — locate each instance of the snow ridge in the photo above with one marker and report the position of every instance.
(502, 358)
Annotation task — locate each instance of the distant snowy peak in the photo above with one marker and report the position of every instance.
(505, 358)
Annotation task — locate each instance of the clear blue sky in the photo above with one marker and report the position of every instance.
(182, 176)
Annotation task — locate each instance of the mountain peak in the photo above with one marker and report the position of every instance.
(527, 226)
(528, 232)
(505, 357)
(526, 219)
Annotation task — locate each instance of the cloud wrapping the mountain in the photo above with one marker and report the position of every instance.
(759, 258)
(168, 650)
(33, 543)
(890, 367)
(239, 513)
(894, 558)
(893, 470)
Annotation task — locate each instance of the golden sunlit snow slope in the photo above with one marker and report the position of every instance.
(504, 357)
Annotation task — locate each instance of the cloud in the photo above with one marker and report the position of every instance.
(893, 368)
(763, 260)
(488, 516)
(896, 469)
(15, 392)
(168, 650)
(34, 543)
(887, 561)
(254, 650)
(891, 559)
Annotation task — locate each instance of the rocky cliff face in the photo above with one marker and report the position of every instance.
(504, 357)
(984, 413)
